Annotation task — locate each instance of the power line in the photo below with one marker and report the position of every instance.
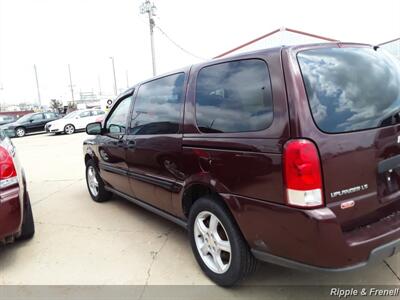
(179, 46)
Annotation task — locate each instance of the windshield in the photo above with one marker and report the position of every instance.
(351, 88)
(72, 115)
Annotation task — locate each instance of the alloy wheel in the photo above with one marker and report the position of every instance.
(92, 181)
(212, 242)
(69, 129)
(20, 132)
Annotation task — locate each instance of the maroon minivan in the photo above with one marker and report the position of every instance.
(288, 155)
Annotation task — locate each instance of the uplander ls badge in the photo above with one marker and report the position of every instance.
(351, 190)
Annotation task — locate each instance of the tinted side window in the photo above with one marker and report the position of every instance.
(38, 117)
(98, 112)
(158, 106)
(351, 88)
(6, 118)
(84, 114)
(50, 115)
(234, 97)
(116, 123)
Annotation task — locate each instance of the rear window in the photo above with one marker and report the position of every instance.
(234, 97)
(351, 89)
(6, 118)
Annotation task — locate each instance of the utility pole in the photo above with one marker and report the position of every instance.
(37, 86)
(115, 79)
(127, 79)
(150, 9)
(70, 84)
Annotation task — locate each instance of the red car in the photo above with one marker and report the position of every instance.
(289, 155)
(16, 219)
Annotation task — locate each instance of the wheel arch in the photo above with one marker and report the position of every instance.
(198, 189)
(69, 124)
(87, 158)
(20, 126)
(90, 155)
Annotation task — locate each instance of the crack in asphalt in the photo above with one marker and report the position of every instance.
(154, 255)
(89, 227)
(57, 191)
(391, 269)
(54, 180)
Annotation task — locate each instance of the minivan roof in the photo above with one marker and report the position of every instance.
(272, 50)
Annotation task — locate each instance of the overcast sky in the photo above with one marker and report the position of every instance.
(85, 33)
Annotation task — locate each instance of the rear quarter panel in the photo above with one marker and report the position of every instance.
(247, 163)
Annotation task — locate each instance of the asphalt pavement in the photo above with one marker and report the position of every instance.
(80, 242)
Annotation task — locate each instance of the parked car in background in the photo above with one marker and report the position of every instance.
(289, 155)
(16, 219)
(29, 123)
(75, 121)
(5, 119)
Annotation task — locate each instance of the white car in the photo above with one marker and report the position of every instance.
(75, 121)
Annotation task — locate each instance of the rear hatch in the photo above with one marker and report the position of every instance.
(354, 97)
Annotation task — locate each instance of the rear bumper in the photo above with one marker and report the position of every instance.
(376, 255)
(10, 132)
(309, 239)
(10, 211)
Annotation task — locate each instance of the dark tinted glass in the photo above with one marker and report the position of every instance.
(234, 97)
(116, 123)
(49, 115)
(351, 88)
(158, 106)
(38, 117)
(6, 118)
(84, 114)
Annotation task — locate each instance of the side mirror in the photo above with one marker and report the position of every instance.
(94, 128)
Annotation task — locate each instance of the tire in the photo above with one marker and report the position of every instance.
(69, 129)
(98, 193)
(28, 224)
(237, 264)
(20, 131)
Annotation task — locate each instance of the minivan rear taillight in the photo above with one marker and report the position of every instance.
(302, 174)
(8, 173)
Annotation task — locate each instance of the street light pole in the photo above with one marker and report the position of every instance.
(70, 84)
(115, 79)
(150, 9)
(37, 86)
(99, 81)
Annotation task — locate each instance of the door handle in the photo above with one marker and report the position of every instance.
(131, 144)
(119, 143)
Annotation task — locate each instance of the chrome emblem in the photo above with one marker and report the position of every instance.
(352, 190)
